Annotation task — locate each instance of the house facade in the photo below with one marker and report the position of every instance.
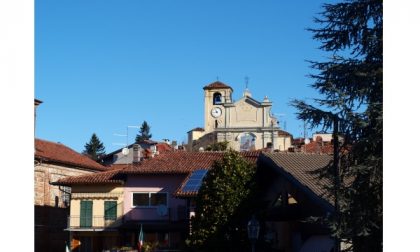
(145, 195)
(109, 208)
(291, 194)
(54, 161)
(247, 124)
(96, 211)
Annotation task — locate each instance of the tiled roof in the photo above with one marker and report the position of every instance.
(317, 147)
(169, 163)
(163, 147)
(107, 177)
(197, 129)
(180, 162)
(61, 154)
(250, 156)
(216, 84)
(300, 166)
(283, 133)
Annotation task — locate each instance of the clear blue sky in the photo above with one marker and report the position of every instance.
(103, 65)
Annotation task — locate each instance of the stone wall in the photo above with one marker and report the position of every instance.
(49, 195)
(50, 210)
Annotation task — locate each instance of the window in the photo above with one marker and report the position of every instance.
(217, 98)
(110, 210)
(247, 142)
(86, 213)
(65, 196)
(149, 199)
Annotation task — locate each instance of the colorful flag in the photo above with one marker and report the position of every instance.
(140, 243)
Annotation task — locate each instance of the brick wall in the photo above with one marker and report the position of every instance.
(46, 194)
(50, 210)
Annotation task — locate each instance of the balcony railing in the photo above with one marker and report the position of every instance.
(100, 221)
(93, 222)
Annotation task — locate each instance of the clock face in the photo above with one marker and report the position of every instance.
(216, 112)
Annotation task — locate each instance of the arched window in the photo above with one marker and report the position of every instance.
(247, 141)
(217, 98)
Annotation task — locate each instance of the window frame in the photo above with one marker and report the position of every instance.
(150, 198)
(107, 217)
(86, 216)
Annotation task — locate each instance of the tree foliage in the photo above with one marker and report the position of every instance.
(351, 83)
(219, 146)
(223, 205)
(144, 133)
(94, 148)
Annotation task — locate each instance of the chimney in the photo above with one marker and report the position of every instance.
(136, 153)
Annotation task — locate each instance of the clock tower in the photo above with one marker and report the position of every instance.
(246, 124)
(217, 100)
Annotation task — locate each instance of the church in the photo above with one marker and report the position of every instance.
(246, 124)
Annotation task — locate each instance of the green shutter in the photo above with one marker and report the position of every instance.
(86, 213)
(110, 210)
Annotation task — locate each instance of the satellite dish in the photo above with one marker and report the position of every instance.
(307, 140)
(162, 210)
(125, 151)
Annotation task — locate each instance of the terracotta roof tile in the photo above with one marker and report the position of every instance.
(300, 166)
(318, 147)
(250, 156)
(163, 147)
(61, 154)
(180, 162)
(168, 163)
(106, 177)
(216, 84)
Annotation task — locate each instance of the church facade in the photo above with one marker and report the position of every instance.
(246, 124)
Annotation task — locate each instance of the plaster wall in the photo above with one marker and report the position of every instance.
(98, 194)
(153, 183)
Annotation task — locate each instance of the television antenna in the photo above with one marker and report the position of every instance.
(125, 151)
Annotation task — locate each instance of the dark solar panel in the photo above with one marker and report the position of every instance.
(194, 182)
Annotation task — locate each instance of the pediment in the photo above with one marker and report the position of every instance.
(249, 101)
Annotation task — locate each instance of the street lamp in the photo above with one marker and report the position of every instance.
(253, 231)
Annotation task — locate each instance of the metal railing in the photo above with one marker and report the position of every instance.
(92, 222)
(101, 221)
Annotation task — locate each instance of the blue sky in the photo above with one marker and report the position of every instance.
(103, 65)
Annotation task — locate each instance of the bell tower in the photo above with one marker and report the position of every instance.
(216, 96)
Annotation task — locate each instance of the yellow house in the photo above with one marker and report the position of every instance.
(96, 211)
(54, 161)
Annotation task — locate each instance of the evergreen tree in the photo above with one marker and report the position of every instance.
(223, 205)
(144, 133)
(351, 83)
(94, 148)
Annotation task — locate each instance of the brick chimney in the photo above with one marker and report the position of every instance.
(136, 153)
